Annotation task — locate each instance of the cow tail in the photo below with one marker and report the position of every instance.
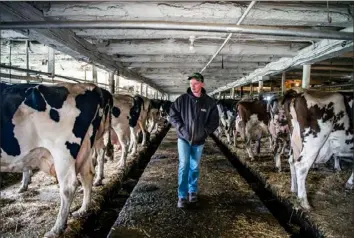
(109, 147)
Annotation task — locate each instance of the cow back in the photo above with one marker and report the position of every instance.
(313, 106)
(64, 111)
(246, 109)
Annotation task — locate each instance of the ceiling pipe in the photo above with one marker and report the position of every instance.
(181, 26)
(230, 35)
(3, 66)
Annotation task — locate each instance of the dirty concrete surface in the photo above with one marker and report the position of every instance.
(227, 206)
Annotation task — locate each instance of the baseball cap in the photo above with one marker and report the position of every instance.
(197, 76)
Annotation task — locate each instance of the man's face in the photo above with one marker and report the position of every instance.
(196, 86)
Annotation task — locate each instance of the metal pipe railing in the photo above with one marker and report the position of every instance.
(230, 35)
(183, 26)
(4, 66)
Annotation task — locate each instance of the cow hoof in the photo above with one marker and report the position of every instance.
(121, 165)
(97, 183)
(51, 234)
(305, 205)
(22, 189)
(349, 186)
(79, 213)
(338, 170)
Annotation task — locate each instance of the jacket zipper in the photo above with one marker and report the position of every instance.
(193, 121)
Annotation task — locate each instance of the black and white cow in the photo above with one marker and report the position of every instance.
(165, 109)
(54, 128)
(144, 104)
(321, 126)
(26, 175)
(227, 115)
(125, 114)
(154, 113)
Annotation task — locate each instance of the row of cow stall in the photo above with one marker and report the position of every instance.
(259, 122)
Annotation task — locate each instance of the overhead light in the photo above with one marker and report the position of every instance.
(191, 40)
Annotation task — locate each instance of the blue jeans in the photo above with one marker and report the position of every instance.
(188, 168)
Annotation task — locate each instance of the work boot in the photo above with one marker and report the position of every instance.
(193, 197)
(182, 202)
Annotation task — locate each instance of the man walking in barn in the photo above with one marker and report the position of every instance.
(194, 115)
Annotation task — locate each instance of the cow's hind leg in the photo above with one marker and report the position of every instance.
(229, 134)
(350, 183)
(133, 142)
(277, 151)
(235, 138)
(293, 174)
(26, 179)
(258, 146)
(301, 170)
(87, 171)
(100, 170)
(336, 164)
(226, 132)
(271, 143)
(65, 169)
(156, 128)
(143, 130)
(311, 150)
(249, 148)
(123, 140)
(152, 125)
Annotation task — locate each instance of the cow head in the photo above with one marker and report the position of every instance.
(165, 108)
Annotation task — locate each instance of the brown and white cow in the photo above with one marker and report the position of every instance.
(252, 120)
(320, 128)
(54, 128)
(227, 114)
(278, 129)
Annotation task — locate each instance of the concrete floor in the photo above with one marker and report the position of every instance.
(227, 206)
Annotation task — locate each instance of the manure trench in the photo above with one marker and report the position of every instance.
(283, 212)
(98, 225)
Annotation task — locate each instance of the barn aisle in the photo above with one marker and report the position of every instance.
(227, 206)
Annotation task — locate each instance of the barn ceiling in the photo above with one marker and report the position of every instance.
(164, 58)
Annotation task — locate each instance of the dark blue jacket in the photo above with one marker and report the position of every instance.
(194, 118)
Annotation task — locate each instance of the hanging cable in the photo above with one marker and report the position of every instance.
(328, 14)
(10, 60)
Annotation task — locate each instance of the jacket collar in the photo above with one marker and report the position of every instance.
(189, 91)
